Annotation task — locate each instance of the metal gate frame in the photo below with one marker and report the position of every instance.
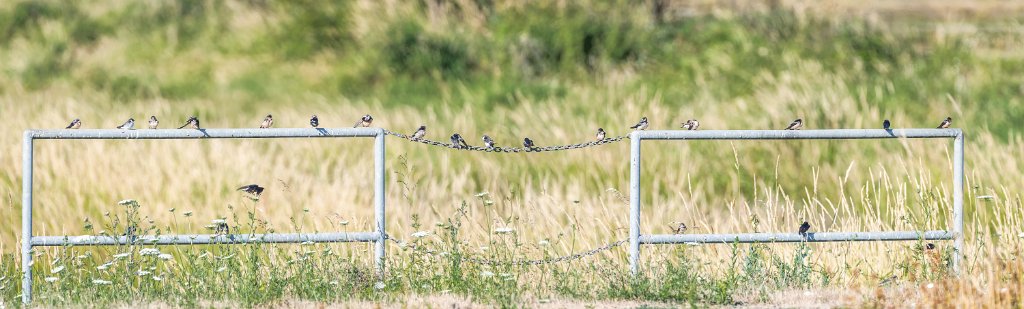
(636, 239)
(28, 240)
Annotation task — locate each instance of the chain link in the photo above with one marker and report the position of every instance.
(509, 149)
(570, 257)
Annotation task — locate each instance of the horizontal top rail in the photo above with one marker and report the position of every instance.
(796, 134)
(202, 133)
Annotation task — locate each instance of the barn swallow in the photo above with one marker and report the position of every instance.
(488, 142)
(192, 122)
(365, 121)
(886, 124)
(153, 122)
(528, 143)
(267, 122)
(252, 189)
(458, 142)
(681, 229)
(75, 124)
(796, 124)
(128, 125)
(600, 134)
(945, 123)
(691, 124)
(420, 133)
(314, 122)
(642, 125)
(803, 229)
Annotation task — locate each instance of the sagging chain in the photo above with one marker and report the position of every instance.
(574, 256)
(509, 149)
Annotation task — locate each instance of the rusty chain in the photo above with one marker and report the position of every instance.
(508, 149)
(574, 256)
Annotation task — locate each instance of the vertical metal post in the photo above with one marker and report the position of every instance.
(634, 203)
(26, 218)
(379, 201)
(958, 201)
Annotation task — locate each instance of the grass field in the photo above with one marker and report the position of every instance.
(554, 72)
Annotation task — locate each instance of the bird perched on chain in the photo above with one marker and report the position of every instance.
(314, 121)
(528, 143)
(253, 190)
(796, 124)
(192, 122)
(267, 122)
(945, 123)
(642, 125)
(420, 133)
(458, 142)
(365, 121)
(600, 134)
(153, 123)
(691, 124)
(488, 142)
(75, 124)
(128, 125)
(886, 124)
(680, 229)
(803, 229)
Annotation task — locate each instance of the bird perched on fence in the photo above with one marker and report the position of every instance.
(153, 122)
(691, 124)
(192, 122)
(796, 124)
(365, 121)
(267, 122)
(886, 124)
(528, 143)
(803, 229)
(128, 125)
(420, 133)
(75, 124)
(680, 229)
(253, 190)
(600, 134)
(488, 142)
(458, 142)
(642, 125)
(314, 122)
(945, 123)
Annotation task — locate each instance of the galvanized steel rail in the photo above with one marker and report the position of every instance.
(636, 238)
(378, 236)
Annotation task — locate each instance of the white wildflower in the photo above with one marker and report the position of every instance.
(219, 221)
(421, 234)
(486, 274)
(105, 266)
(142, 273)
(165, 257)
(158, 278)
(126, 202)
(57, 269)
(343, 222)
(101, 282)
(50, 279)
(121, 255)
(504, 230)
(379, 285)
(544, 242)
(482, 194)
(149, 251)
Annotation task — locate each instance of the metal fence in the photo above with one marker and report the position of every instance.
(636, 238)
(377, 236)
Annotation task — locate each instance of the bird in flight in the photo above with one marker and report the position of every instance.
(803, 229)
(528, 143)
(365, 121)
(796, 124)
(642, 125)
(458, 142)
(488, 142)
(314, 122)
(267, 122)
(420, 133)
(691, 124)
(153, 122)
(192, 122)
(75, 124)
(945, 123)
(128, 125)
(886, 124)
(600, 134)
(253, 190)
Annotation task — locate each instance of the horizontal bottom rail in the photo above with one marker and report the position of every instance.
(794, 237)
(88, 240)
